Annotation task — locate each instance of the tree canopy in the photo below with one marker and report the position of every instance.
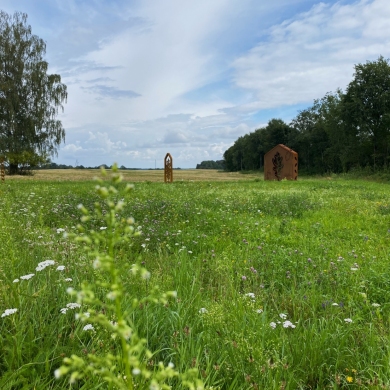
(29, 97)
(339, 132)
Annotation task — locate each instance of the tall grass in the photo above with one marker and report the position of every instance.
(280, 285)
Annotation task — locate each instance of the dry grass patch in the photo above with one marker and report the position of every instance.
(138, 175)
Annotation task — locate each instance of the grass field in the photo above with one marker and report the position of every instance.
(271, 285)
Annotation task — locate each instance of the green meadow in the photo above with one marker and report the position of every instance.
(241, 284)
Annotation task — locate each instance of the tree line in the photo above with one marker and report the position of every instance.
(211, 164)
(30, 98)
(339, 132)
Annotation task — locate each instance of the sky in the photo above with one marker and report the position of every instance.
(148, 77)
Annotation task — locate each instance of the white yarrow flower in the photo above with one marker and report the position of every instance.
(43, 264)
(60, 268)
(283, 316)
(8, 312)
(348, 320)
(272, 325)
(73, 305)
(288, 324)
(88, 327)
(375, 305)
(250, 295)
(27, 277)
(203, 310)
(15, 281)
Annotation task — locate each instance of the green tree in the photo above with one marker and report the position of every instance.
(29, 97)
(366, 112)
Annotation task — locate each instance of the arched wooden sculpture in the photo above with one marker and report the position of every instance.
(168, 168)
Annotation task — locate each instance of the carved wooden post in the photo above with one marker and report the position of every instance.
(168, 173)
(2, 169)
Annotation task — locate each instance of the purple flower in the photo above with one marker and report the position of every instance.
(243, 277)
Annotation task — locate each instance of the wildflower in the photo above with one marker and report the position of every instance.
(375, 305)
(272, 325)
(82, 316)
(60, 268)
(43, 264)
(68, 279)
(103, 228)
(73, 305)
(60, 230)
(136, 371)
(8, 312)
(283, 316)
(354, 269)
(288, 324)
(250, 295)
(15, 281)
(203, 310)
(111, 295)
(349, 379)
(348, 320)
(88, 327)
(57, 373)
(259, 311)
(335, 304)
(26, 277)
(243, 277)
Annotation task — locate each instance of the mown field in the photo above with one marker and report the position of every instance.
(273, 285)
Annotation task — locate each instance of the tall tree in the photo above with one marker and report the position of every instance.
(29, 97)
(366, 111)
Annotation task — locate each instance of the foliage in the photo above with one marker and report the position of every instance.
(366, 112)
(29, 97)
(211, 164)
(339, 132)
(248, 151)
(105, 298)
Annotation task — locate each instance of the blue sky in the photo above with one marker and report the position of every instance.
(189, 77)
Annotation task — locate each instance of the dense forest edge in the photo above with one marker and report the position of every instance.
(341, 132)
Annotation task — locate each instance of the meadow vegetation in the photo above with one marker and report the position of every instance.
(196, 284)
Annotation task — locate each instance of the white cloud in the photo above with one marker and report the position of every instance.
(72, 148)
(314, 53)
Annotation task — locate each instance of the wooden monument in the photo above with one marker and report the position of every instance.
(280, 163)
(168, 168)
(2, 169)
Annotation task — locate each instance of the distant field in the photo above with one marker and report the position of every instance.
(138, 175)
